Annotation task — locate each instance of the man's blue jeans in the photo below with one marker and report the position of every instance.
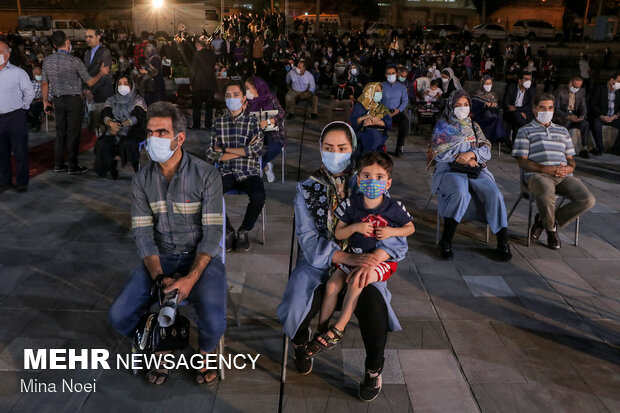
(208, 298)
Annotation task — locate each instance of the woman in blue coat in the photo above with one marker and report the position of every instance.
(316, 199)
(459, 141)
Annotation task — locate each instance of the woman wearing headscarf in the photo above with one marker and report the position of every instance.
(457, 147)
(486, 111)
(260, 99)
(315, 223)
(152, 80)
(370, 119)
(124, 116)
(449, 82)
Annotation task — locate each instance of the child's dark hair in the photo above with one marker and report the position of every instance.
(435, 82)
(379, 158)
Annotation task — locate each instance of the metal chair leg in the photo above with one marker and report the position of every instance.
(428, 201)
(488, 233)
(499, 149)
(529, 221)
(235, 309)
(512, 210)
(284, 359)
(46, 124)
(220, 350)
(264, 223)
(577, 232)
(283, 158)
(437, 229)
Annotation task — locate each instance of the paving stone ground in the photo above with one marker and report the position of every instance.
(538, 334)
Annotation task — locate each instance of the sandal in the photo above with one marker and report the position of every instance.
(157, 375)
(201, 376)
(315, 346)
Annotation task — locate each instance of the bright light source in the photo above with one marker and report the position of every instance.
(306, 13)
(158, 3)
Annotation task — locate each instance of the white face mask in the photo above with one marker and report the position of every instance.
(461, 112)
(391, 78)
(159, 148)
(527, 84)
(123, 90)
(615, 86)
(544, 117)
(353, 71)
(249, 95)
(444, 80)
(2, 59)
(488, 87)
(377, 97)
(573, 89)
(38, 78)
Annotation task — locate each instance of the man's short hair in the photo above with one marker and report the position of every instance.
(379, 158)
(59, 38)
(237, 83)
(542, 97)
(202, 41)
(388, 67)
(168, 110)
(144, 35)
(525, 73)
(97, 31)
(615, 75)
(576, 78)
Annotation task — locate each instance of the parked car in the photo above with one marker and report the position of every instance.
(490, 31)
(436, 29)
(535, 29)
(380, 29)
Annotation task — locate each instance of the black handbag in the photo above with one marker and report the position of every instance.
(472, 172)
(150, 337)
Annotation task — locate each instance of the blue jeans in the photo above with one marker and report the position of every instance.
(208, 298)
(273, 150)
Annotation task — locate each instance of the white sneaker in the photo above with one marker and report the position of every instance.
(269, 172)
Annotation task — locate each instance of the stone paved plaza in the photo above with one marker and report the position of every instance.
(538, 334)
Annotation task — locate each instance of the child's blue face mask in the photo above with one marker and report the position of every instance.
(372, 188)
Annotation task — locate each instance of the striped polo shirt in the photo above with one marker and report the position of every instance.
(181, 216)
(547, 146)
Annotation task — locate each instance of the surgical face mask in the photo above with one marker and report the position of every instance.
(298, 70)
(377, 97)
(544, 117)
(121, 60)
(391, 78)
(372, 188)
(353, 71)
(527, 84)
(2, 59)
(38, 78)
(573, 89)
(445, 80)
(336, 162)
(234, 104)
(223, 74)
(402, 78)
(461, 112)
(159, 148)
(615, 86)
(123, 90)
(487, 87)
(249, 95)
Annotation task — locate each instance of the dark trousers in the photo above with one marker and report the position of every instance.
(403, 127)
(69, 111)
(372, 314)
(255, 189)
(208, 296)
(516, 120)
(597, 132)
(200, 98)
(273, 149)
(14, 138)
(583, 129)
(34, 114)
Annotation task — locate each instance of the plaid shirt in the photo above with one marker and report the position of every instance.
(183, 216)
(138, 52)
(37, 91)
(242, 131)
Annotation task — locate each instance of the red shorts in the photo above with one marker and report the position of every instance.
(385, 269)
